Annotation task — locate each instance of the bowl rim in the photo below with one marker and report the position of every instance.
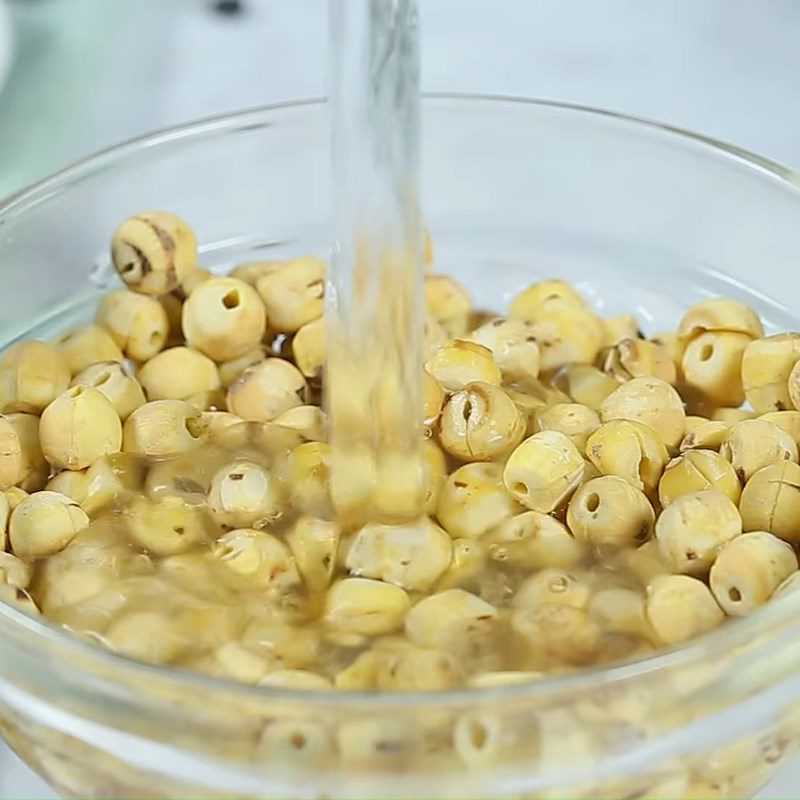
(723, 639)
(253, 117)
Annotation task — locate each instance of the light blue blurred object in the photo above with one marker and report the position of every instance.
(60, 85)
(6, 42)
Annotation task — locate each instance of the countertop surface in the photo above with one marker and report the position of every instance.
(88, 73)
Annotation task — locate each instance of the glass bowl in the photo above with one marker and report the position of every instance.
(645, 219)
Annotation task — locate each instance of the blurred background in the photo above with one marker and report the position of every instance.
(78, 75)
(83, 74)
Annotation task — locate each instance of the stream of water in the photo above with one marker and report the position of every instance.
(374, 313)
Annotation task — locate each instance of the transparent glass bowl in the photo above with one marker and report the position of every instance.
(644, 219)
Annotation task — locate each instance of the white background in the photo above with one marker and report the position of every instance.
(91, 72)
